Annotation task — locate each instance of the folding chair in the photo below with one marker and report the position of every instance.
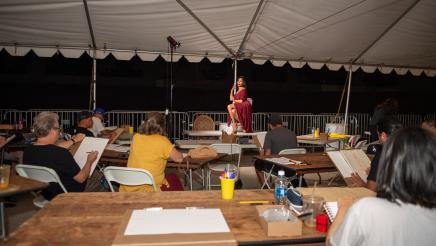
(224, 148)
(128, 176)
(268, 175)
(42, 174)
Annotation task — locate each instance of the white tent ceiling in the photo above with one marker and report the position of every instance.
(386, 35)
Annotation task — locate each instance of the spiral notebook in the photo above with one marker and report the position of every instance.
(332, 209)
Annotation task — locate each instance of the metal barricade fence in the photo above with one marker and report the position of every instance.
(67, 117)
(179, 121)
(410, 119)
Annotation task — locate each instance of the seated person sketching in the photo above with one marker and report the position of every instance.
(277, 139)
(45, 153)
(150, 150)
(429, 125)
(84, 122)
(384, 128)
(97, 121)
(404, 211)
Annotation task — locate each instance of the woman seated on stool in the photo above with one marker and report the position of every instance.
(150, 150)
(404, 211)
(240, 108)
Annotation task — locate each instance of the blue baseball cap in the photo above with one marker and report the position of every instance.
(99, 111)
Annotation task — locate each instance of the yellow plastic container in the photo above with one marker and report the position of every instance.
(5, 171)
(316, 133)
(227, 188)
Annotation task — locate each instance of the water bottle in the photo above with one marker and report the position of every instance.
(280, 188)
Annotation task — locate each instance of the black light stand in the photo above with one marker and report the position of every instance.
(173, 45)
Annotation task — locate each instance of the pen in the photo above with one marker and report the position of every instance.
(254, 202)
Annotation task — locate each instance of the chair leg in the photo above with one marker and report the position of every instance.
(333, 179)
(319, 177)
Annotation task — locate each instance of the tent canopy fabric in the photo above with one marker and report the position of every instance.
(386, 35)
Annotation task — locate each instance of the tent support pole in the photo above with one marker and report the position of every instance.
(348, 98)
(94, 82)
(250, 27)
(235, 75)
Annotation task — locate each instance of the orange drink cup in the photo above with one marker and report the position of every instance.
(4, 176)
(227, 188)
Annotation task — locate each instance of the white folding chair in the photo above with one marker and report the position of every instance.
(128, 176)
(224, 148)
(42, 174)
(360, 144)
(267, 176)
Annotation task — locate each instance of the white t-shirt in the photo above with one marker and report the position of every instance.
(376, 221)
(97, 126)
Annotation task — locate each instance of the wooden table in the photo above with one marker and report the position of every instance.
(215, 134)
(192, 144)
(315, 163)
(94, 218)
(189, 165)
(17, 185)
(309, 139)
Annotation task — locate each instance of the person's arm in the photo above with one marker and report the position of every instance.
(232, 98)
(176, 156)
(75, 139)
(267, 152)
(344, 204)
(83, 175)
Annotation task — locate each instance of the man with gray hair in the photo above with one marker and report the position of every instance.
(45, 153)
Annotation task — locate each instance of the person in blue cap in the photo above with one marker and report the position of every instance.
(97, 121)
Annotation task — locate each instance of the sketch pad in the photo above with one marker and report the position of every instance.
(87, 145)
(174, 227)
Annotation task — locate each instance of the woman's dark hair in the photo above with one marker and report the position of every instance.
(244, 80)
(388, 125)
(155, 124)
(390, 106)
(407, 169)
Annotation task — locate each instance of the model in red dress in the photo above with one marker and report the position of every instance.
(240, 109)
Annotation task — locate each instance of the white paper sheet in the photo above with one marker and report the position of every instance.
(87, 145)
(168, 221)
(118, 148)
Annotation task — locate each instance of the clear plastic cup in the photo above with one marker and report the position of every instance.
(312, 204)
(5, 170)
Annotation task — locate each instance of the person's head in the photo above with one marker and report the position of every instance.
(99, 113)
(386, 127)
(274, 121)
(407, 168)
(46, 125)
(241, 82)
(155, 124)
(84, 119)
(429, 125)
(390, 105)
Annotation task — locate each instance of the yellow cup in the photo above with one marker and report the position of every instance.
(5, 170)
(131, 130)
(227, 188)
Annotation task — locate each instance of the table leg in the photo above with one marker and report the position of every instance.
(2, 215)
(300, 182)
(190, 178)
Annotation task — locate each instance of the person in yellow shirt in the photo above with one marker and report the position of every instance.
(150, 150)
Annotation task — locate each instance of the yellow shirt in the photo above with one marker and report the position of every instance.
(151, 153)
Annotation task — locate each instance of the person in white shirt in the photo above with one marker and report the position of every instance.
(97, 121)
(404, 211)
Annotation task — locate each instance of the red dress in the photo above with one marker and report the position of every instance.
(243, 110)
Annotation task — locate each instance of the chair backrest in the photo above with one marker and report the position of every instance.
(42, 174)
(293, 151)
(228, 148)
(259, 139)
(128, 176)
(250, 100)
(203, 123)
(360, 144)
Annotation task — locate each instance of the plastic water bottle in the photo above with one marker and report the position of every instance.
(280, 188)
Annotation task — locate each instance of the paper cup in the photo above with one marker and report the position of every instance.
(227, 188)
(4, 176)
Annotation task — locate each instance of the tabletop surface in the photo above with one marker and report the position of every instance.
(215, 133)
(94, 218)
(19, 184)
(313, 161)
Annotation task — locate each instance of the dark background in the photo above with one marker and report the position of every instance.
(62, 83)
